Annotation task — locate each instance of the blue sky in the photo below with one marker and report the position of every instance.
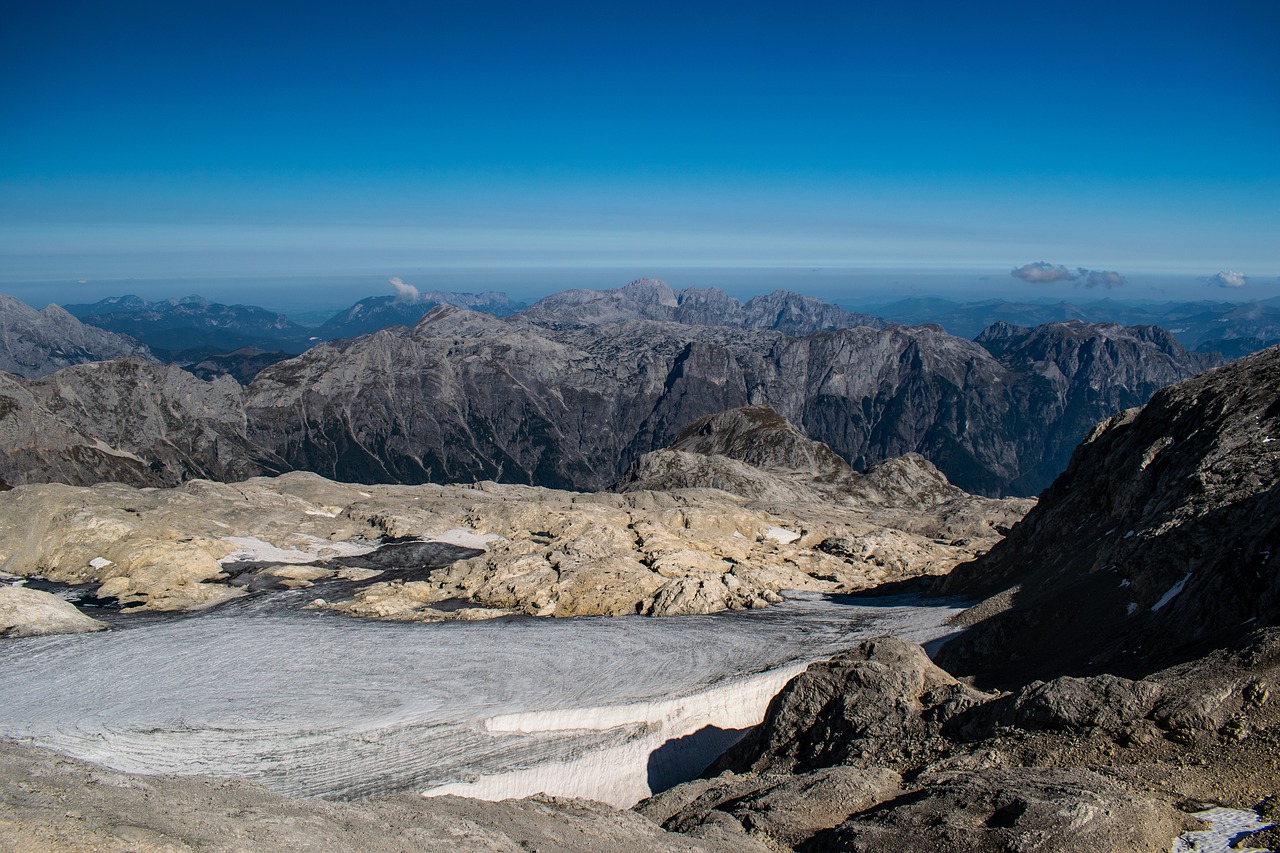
(273, 139)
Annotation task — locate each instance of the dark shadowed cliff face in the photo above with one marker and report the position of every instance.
(465, 396)
(1161, 540)
(1076, 372)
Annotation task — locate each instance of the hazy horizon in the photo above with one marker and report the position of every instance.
(854, 288)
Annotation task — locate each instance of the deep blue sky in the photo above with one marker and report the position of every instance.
(272, 138)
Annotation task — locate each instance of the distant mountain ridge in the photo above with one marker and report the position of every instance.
(190, 328)
(1234, 329)
(464, 395)
(381, 312)
(653, 299)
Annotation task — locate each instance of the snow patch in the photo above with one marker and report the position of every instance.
(100, 562)
(1129, 535)
(781, 535)
(259, 550)
(321, 513)
(1132, 608)
(1172, 593)
(466, 539)
(1225, 828)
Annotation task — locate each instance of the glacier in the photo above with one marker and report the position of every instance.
(311, 703)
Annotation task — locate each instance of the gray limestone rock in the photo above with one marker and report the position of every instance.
(1012, 810)
(33, 613)
(126, 420)
(467, 396)
(37, 343)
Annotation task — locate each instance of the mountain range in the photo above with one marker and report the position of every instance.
(463, 396)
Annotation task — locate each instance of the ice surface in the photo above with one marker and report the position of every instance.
(1226, 827)
(317, 704)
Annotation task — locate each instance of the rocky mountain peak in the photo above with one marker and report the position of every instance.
(454, 320)
(651, 291)
(36, 343)
(759, 436)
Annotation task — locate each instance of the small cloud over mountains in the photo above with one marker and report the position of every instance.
(1101, 278)
(1044, 272)
(1229, 278)
(405, 292)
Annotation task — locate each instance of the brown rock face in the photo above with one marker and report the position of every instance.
(1159, 542)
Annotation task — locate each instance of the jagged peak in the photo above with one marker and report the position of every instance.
(650, 291)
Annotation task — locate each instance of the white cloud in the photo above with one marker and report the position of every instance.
(1101, 278)
(1229, 278)
(1043, 271)
(405, 292)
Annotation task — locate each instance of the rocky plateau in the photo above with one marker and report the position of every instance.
(803, 521)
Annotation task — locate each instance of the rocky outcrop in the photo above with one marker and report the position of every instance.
(1158, 543)
(464, 396)
(53, 803)
(32, 613)
(880, 747)
(125, 420)
(37, 343)
(759, 436)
